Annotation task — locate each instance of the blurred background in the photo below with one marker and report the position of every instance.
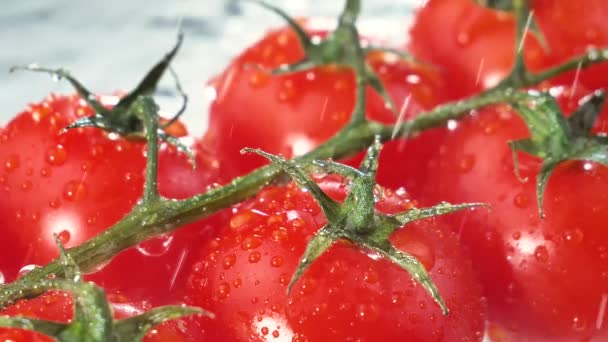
(109, 45)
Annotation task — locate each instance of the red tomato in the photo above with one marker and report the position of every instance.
(243, 272)
(473, 46)
(545, 279)
(292, 114)
(571, 27)
(53, 305)
(81, 182)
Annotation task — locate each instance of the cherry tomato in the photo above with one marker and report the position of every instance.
(243, 273)
(77, 184)
(474, 46)
(291, 114)
(571, 27)
(545, 279)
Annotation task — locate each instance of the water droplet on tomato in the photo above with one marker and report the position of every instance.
(466, 163)
(254, 257)
(55, 203)
(521, 201)
(574, 236)
(45, 172)
(229, 261)
(156, 246)
(11, 163)
(371, 276)
(74, 191)
(578, 324)
(541, 254)
(284, 279)
(56, 155)
(264, 331)
(258, 78)
(251, 242)
(516, 235)
(64, 237)
(463, 39)
(223, 290)
(276, 261)
(237, 283)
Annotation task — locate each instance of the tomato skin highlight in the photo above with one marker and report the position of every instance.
(243, 272)
(292, 114)
(77, 184)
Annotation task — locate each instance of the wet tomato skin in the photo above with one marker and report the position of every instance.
(545, 279)
(77, 184)
(243, 272)
(292, 114)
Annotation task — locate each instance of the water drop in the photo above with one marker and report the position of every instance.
(223, 290)
(254, 257)
(56, 155)
(516, 235)
(64, 237)
(541, 254)
(74, 191)
(276, 261)
(229, 261)
(251, 242)
(11, 163)
(574, 236)
(156, 246)
(466, 163)
(264, 331)
(521, 201)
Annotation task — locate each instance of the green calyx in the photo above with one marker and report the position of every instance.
(356, 219)
(555, 138)
(125, 117)
(92, 319)
(341, 47)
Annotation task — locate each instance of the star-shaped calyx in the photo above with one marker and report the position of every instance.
(555, 138)
(92, 320)
(125, 117)
(356, 219)
(341, 47)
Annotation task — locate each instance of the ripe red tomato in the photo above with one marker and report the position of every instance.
(571, 27)
(53, 305)
(474, 46)
(545, 279)
(243, 273)
(79, 183)
(291, 114)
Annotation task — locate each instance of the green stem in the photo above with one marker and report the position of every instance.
(148, 112)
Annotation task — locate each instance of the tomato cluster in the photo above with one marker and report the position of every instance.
(506, 273)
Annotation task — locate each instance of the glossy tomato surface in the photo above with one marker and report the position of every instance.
(291, 114)
(545, 279)
(77, 184)
(243, 273)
